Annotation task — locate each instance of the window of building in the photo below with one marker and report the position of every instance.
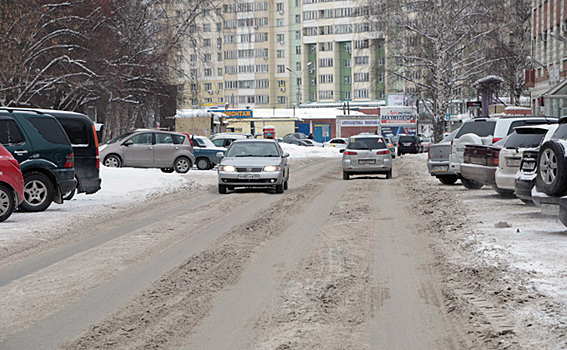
(207, 27)
(347, 63)
(325, 78)
(280, 6)
(280, 38)
(326, 94)
(358, 77)
(298, 50)
(347, 95)
(219, 72)
(279, 22)
(361, 60)
(361, 93)
(207, 57)
(208, 72)
(207, 42)
(297, 18)
(281, 100)
(348, 79)
(208, 86)
(280, 53)
(280, 68)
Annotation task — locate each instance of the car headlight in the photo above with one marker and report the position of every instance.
(228, 168)
(271, 168)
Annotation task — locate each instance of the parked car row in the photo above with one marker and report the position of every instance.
(57, 154)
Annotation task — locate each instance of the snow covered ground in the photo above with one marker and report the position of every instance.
(125, 185)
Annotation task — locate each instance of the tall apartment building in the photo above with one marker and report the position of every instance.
(280, 54)
(547, 80)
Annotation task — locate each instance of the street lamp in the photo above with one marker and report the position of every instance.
(299, 81)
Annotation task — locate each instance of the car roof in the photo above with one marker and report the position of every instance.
(256, 140)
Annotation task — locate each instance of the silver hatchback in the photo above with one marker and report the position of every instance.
(366, 154)
(254, 163)
(169, 151)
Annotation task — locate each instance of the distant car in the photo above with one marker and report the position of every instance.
(366, 154)
(313, 143)
(438, 160)
(391, 146)
(424, 143)
(337, 142)
(169, 151)
(408, 144)
(295, 135)
(44, 152)
(206, 153)
(226, 138)
(254, 163)
(297, 142)
(11, 184)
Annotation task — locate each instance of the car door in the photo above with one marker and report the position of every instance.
(138, 150)
(13, 139)
(165, 150)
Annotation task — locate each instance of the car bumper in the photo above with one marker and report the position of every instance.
(479, 173)
(523, 187)
(549, 205)
(261, 179)
(439, 168)
(66, 179)
(89, 186)
(382, 168)
(505, 181)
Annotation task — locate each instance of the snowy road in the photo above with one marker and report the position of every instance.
(368, 263)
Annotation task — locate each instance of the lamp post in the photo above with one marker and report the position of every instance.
(298, 81)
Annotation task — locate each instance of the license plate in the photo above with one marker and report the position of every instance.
(367, 161)
(513, 162)
(406, 144)
(550, 209)
(461, 149)
(249, 176)
(441, 168)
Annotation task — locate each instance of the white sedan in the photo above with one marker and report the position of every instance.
(337, 142)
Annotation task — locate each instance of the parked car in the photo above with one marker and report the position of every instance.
(366, 154)
(424, 143)
(479, 165)
(169, 151)
(82, 133)
(297, 142)
(11, 184)
(254, 163)
(391, 146)
(44, 152)
(408, 144)
(295, 135)
(486, 131)
(523, 137)
(337, 142)
(205, 152)
(226, 138)
(438, 160)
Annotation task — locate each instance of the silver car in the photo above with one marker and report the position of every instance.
(366, 154)
(254, 163)
(169, 151)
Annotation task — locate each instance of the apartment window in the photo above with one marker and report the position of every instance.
(207, 57)
(279, 22)
(208, 86)
(280, 6)
(348, 79)
(361, 60)
(208, 72)
(381, 61)
(361, 77)
(219, 43)
(348, 47)
(347, 63)
(325, 62)
(361, 93)
(219, 56)
(280, 38)
(221, 100)
(325, 78)
(219, 85)
(347, 95)
(297, 18)
(298, 34)
(263, 83)
(361, 44)
(381, 77)
(280, 68)
(309, 15)
(281, 84)
(280, 53)
(207, 42)
(219, 27)
(297, 65)
(263, 99)
(298, 50)
(219, 72)
(328, 46)
(262, 68)
(193, 58)
(207, 27)
(281, 100)
(326, 94)
(193, 73)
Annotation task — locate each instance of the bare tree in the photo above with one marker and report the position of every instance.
(438, 47)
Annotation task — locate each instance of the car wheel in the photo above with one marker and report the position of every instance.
(222, 189)
(203, 164)
(346, 176)
(69, 195)
(448, 179)
(182, 165)
(279, 188)
(471, 185)
(167, 170)
(112, 161)
(6, 202)
(38, 192)
(389, 174)
(286, 185)
(551, 176)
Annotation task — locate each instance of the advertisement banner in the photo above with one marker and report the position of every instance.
(360, 122)
(235, 113)
(397, 116)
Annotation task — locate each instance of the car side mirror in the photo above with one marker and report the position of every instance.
(285, 155)
(220, 154)
(128, 143)
(341, 151)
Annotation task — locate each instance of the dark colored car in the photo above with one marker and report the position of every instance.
(408, 144)
(81, 132)
(11, 184)
(44, 152)
(206, 153)
(297, 142)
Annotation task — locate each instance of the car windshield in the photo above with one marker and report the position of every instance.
(366, 143)
(252, 149)
(121, 137)
(407, 138)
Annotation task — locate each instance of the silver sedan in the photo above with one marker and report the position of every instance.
(254, 163)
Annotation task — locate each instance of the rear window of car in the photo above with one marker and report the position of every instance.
(50, 129)
(76, 130)
(524, 140)
(481, 128)
(518, 123)
(366, 143)
(561, 132)
(10, 133)
(407, 139)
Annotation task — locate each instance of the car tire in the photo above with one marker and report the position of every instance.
(69, 195)
(448, 179)
(399, 154)
(551, 176)
(203, 164)
(182, 165)
(389, 174)
(346, 176)
(112, 161)
(280, 188)
(7, 202)
(286, 185)
(222, 189)
(471, 185)
(38, 192)
(167, 170)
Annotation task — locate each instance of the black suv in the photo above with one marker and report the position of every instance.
(81, 132)
(408, 144)
(44, 152)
